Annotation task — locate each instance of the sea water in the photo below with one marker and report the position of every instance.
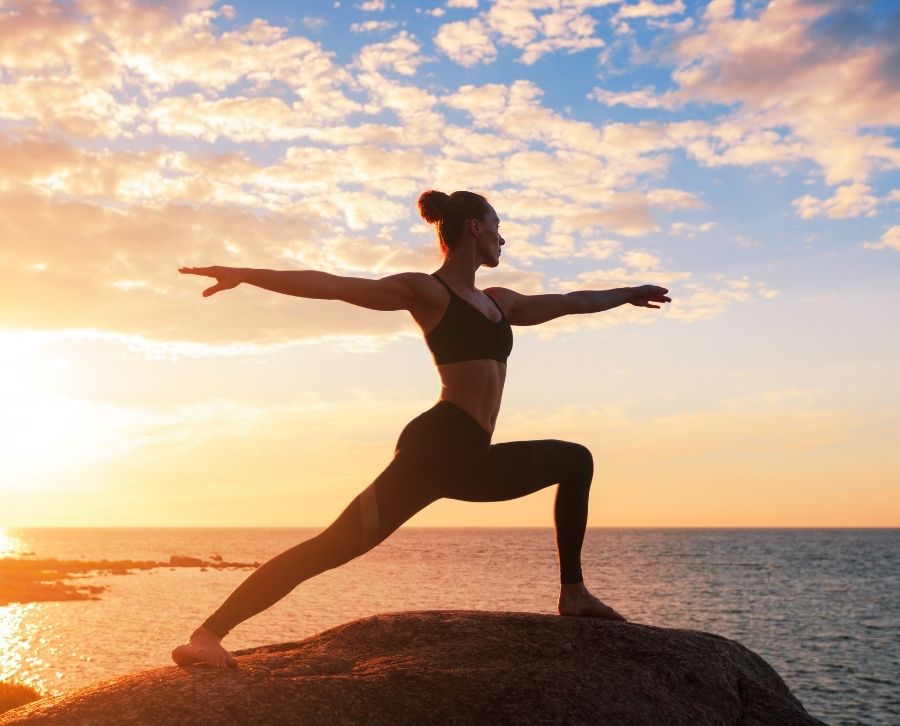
(821, 606)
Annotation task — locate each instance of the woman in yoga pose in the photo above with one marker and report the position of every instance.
(445, 451)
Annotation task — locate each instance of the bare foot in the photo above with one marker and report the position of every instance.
(578, 601)
(203, 647)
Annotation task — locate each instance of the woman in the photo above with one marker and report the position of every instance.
(445, 451)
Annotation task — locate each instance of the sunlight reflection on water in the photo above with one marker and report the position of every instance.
(19, 659)
(10, 545)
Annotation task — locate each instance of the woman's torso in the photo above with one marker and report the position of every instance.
(476, 386)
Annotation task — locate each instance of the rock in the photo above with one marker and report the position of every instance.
(453, 667)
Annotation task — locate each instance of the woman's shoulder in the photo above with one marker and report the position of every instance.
(502, 295)
(424, 288)
(422, 284)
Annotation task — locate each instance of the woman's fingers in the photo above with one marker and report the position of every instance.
(645, 302)
(207, 272)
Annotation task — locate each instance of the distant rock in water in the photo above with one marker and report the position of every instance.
(453, 667)
(26, 580)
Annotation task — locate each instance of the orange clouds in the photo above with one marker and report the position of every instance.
(890, 240)
(850, 200)
(799, 81)
(781, 70)
(139, 136)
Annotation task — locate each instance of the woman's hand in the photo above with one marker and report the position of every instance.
(645, 294)
(226, 277)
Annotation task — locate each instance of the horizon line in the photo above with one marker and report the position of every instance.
(548, 527)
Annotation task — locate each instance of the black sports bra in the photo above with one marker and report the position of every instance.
(464, 333)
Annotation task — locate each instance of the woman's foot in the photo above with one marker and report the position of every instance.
(577, 600)
(203, 647)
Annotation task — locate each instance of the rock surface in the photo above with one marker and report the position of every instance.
(452, 667)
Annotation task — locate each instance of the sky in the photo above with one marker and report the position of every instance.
(743, 155)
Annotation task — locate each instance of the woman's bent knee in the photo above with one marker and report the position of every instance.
(581, 458)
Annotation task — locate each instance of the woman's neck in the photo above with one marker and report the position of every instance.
(460, 268)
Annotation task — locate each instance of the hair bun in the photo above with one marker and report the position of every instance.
(432, 205)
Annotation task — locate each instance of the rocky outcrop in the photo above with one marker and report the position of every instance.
(453, 667)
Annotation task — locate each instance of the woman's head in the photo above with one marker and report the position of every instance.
(451, 213)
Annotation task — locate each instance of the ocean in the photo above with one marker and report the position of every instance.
(821, 606)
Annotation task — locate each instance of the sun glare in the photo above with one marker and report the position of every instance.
(10, 546)
(37, 433)
(42, 434)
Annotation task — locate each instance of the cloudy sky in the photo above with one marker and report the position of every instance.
(742, 154)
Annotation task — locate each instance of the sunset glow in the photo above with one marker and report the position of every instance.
(742, 154)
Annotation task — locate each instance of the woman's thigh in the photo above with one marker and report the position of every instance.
(399, 492)
(518, 468)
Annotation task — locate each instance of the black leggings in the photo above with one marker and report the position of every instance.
(443, 452)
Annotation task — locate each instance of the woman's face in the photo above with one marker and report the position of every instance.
(490, 241)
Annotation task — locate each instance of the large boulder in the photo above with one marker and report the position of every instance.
(452, 667)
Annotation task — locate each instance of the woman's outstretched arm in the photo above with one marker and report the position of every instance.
(536, 309)
(395, 292)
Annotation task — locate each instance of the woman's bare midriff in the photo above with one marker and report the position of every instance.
(476, 386)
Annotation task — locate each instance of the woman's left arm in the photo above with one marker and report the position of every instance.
(536, 309)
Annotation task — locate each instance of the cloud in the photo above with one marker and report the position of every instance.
(516, 23)
(466, 42)
(648, 9)
(598, 249)
(670, 199)
(172, 50)
(64, 106)
(568, 29)
(95, 76)
(686, 229)
(794, 92)
(644, 98)
(372, 26)
(641, 260)
(315, 24)
(400, 54)
(618, 153)
(561, 26)
(702, 301)
(42, 38)
(738, 140)
(461, 141)
(890, 240)
(850, 200)
(242, 118)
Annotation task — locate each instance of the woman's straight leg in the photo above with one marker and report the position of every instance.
(425, 454)
(395, 496)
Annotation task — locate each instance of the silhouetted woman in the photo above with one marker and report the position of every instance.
(445, 451)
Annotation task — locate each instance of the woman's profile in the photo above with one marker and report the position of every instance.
(445, 451)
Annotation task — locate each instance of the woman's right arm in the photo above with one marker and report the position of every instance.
(394, 292)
